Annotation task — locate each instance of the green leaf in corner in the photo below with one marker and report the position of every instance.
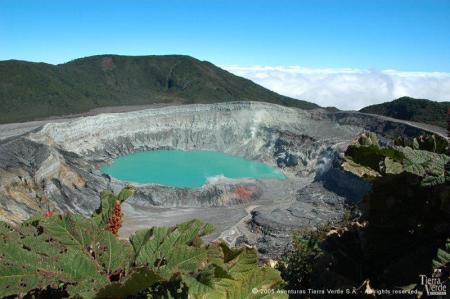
(63, 249)
(36, 260)
(443, 256)
(138, 280)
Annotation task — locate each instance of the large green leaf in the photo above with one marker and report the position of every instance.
(78, 233)
(429, 165)
(71, 230)
(21, 268)
(152, 245)
(182, 259)
(237, 276)
(36, 260)
(389, 166)
(208, 271)
(171, 251)
(138, 280)
(442, 257)
(258, 283)
(107, 202)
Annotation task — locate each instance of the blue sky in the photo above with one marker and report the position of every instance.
(343, 53)
(395, 34)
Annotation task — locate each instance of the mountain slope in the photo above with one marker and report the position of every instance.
(406, 108)
(37, 90)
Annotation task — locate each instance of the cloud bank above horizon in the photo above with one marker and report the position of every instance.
(347, 89)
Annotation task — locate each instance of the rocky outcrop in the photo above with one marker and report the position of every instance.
(37, 177)
(219, 194)
(314, 206)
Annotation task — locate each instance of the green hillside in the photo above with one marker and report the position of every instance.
(37, 90)
(420, 110)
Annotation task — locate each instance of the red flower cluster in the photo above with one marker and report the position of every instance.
(49, 214)
(115, 221)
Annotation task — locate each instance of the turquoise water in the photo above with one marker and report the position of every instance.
(185, 168)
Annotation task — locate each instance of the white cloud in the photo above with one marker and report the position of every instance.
(347, 89)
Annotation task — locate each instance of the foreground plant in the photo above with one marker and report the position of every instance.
(297, 265)
(366, 158)
(72, 256)
(404, 222)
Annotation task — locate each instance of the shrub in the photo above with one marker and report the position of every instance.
(297, 266)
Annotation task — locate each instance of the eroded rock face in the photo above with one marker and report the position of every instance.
(37, 177)
(56, 166)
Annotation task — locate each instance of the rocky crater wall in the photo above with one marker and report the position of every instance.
(56, 166)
